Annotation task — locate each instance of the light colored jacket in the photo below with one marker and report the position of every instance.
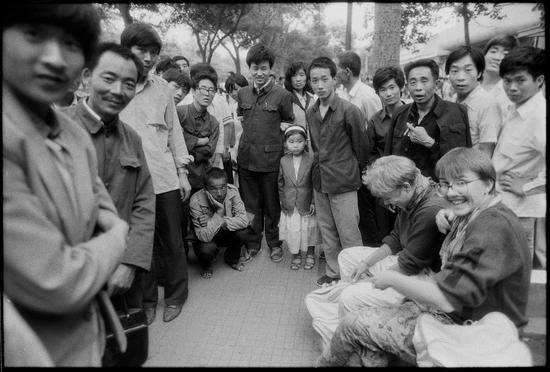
(55, 260)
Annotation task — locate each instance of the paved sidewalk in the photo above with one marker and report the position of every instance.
(254, 318)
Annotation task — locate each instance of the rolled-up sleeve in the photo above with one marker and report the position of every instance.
(238, 218)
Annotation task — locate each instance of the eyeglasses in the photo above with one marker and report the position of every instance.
(459, 186)
(204, 90)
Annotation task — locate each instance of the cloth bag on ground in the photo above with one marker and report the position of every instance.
(134, 324)
(492, 341)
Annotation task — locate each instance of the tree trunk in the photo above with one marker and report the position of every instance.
(466, 18)
(387, 39)
(348, 27)
(124, 10)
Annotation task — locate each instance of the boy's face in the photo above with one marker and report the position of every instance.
(520, 86)
(389, 93)
(148, 55)
(177, 91)
(463, 75)
(112, 84)
(40, 62)
(204, 93)
(494, 56)
(260, 72)
(421, 84)
(322, 82)
(183, 65)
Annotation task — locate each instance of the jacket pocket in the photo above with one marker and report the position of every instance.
(128, 161)
(246, 106)
(270, 108)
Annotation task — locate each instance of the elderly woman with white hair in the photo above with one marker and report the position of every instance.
(411, 248)
(485, 268)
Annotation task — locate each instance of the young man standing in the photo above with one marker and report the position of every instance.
(338, 140)
(265, 109)
(111, 80)
(520, 154)
(219, 219)
(152, 114)
(465, 67)
(62, 236)
(426, 129)
(388, 84)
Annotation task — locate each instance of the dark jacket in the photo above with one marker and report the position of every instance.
(453, 131)
(340, 147)
(123, 169)
(261, 144)
(295, 192)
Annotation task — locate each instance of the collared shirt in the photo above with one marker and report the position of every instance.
(364, 97)
(261, 143)
(152, 114)
(521, 148)
(377, 129)
(219, 108)
(340, 148)
(123, 169)
(499, 95)
(484, 116)
(195, 125)
(234, 211)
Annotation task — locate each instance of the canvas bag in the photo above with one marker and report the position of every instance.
(492, 341)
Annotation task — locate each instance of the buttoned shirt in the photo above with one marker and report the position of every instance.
(340, 148)
(152, 114)
(505, 105)
(521, 148)
(484, 116)
(377, 129)
(261, 143)
(364, 97)
(123, 169)
(234, 211)
(195, 125)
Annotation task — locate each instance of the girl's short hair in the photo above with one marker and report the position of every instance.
(293, 70)
(388, 173)
(454, 163)
(80, 20)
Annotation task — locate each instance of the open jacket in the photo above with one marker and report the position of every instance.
(295, 192)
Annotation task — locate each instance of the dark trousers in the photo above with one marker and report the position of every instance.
(168, 253)
(228, 169)
(370, 231)
(232, 240)
(260, 195)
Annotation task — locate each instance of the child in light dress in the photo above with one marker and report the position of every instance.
(298, 222)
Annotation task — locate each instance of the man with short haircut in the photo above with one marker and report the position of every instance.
(465, 67)
(494, 51)
(426, 129)
(338, 141)
(219, 219)
(520, 154)
(180, 83)
(200, 129)
(152, 114)
(266, 110)
(111, 80)
(355, 91)
(388, 84)
(62, 237)
(183, 64)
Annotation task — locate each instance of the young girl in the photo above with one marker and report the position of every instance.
(298, 223)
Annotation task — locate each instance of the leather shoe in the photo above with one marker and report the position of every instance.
(171, 312)
(150, 313)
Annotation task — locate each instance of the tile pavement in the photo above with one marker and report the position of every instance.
(258, 318)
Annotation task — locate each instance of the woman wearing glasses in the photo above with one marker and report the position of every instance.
(411, 248)
(485, 268)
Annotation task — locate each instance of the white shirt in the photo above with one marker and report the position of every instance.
(521, 148)
(484, 116)
(364, 97)
(499, 95)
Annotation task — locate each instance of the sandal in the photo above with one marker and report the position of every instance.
(249, 255)
(237, 266)
(207, 273)
(296, 262)
(276, 254)
(310, 262)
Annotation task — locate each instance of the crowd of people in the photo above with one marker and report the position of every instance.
(432, 205)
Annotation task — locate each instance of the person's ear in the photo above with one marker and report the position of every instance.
(540, 81)
(86, 77)
(438, 84)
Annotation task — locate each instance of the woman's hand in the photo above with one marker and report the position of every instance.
(360, 271)
(443, 220)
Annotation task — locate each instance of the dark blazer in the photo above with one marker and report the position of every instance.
(295, 192)
(454, 131)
